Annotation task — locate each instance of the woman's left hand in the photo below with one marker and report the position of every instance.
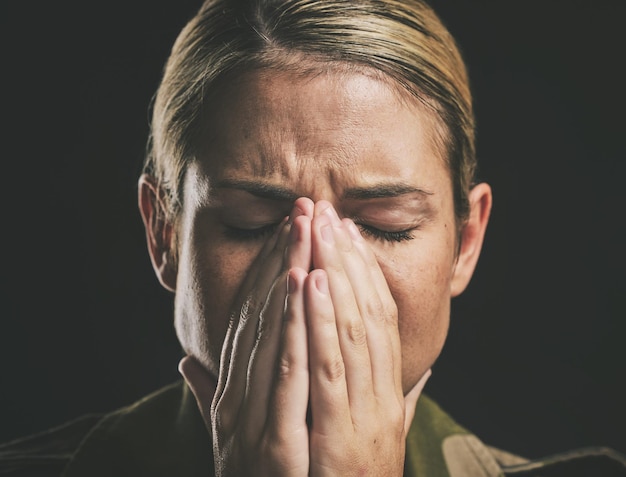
(359, 414)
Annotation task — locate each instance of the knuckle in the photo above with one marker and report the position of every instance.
(251, 304)
(273, 441)
(356, 334)
(392, 412)
(396, 417)
(374, 309)
(334, 267)
(382, 310)
(333, 369)
(285, 368)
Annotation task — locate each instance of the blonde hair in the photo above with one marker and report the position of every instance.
(404, 39)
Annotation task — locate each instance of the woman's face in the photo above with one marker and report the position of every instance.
(345, 137)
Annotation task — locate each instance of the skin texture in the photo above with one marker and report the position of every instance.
(338, 311)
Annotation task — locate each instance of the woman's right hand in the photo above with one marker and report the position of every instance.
(257, 410)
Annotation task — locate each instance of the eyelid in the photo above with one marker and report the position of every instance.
(401, 223)
(388, 235)
(249, 234)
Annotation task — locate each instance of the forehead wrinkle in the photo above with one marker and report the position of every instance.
(313, 148)
(300, 150)
(260, 159)
(328, 143)
(328, 131)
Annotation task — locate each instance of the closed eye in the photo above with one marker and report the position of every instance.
(387, 235)
(249, 235)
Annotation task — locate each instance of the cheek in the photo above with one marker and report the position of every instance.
(206, 289)
(420, 285)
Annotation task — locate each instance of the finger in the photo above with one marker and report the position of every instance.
(242, 295)
(234, 367)
(379, 313)
(201, 383)
(330, 405)
(331, 243)
(299, 250)
(262, 362)
(410, 401)
(289, 403)
(333, 252)
(303, 206)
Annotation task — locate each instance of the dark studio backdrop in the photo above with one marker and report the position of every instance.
(535, 359)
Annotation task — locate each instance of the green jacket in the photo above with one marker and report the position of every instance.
(164, 435)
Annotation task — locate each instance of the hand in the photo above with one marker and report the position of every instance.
(257, 410)
(360, 416)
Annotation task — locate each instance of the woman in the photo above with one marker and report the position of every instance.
(309, 198)
(364, 112)
(310, 339)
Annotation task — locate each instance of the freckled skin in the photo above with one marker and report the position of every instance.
(318, 137)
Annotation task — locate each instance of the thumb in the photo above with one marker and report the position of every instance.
(410, 401)
(201, 383)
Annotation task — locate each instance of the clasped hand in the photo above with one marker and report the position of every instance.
(310, 380)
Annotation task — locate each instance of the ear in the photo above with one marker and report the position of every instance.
(159, 231)
(471, 238)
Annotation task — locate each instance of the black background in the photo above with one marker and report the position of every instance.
(535, 358)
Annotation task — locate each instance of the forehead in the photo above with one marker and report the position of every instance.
(350, 127)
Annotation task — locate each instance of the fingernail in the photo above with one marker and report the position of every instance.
(321, 283)
(332, 214)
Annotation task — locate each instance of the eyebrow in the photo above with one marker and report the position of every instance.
(275, 192)
(381, 191)
(260, 189)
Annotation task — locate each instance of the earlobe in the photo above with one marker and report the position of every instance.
(159, 232)
(471, 238)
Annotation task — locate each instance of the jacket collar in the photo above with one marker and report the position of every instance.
(164, 435)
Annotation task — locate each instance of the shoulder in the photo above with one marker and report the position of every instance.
(161, 435)
(115, 441)
(46, 453)
(437, 446)
(583, 462)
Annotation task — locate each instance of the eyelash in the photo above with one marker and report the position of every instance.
(385, 235)
(248, 235)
